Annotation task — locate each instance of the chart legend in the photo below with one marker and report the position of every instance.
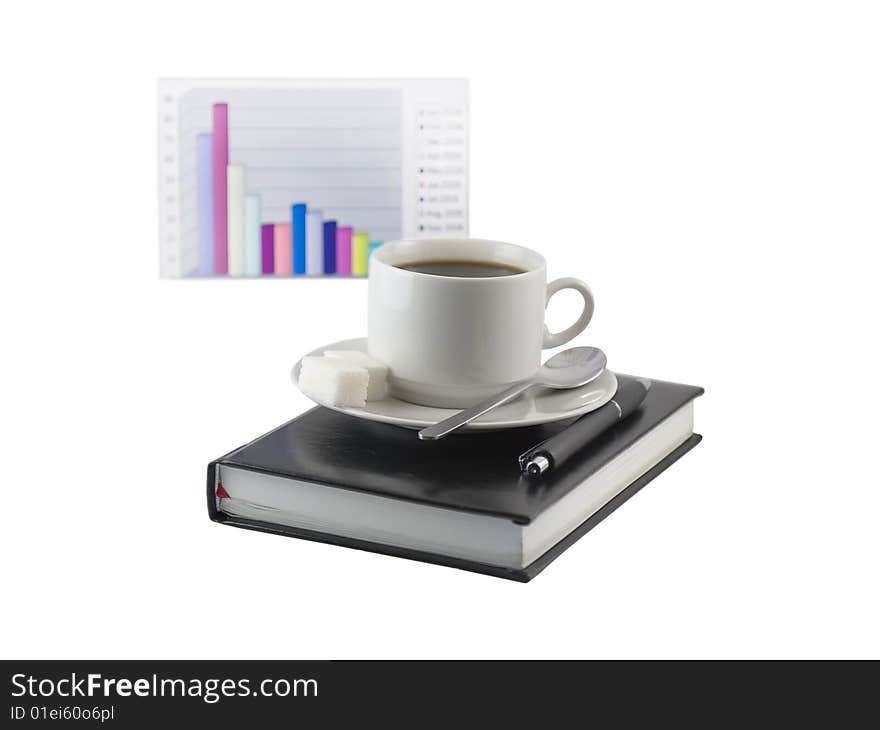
(306, 178)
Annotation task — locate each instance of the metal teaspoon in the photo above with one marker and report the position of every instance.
(567, 369)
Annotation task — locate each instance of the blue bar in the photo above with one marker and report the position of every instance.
(330, 247)
(205, 186)
(298, 229)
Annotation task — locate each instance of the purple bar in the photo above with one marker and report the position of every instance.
(343, 250)
(205, 195)
(268, 233)
(220, 140)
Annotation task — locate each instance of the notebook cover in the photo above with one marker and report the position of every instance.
(522, 575)
(473, 472)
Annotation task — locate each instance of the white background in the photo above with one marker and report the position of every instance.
(711, 169)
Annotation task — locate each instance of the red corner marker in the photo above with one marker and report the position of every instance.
(221, 492)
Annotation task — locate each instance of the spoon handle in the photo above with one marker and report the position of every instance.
(448, 425)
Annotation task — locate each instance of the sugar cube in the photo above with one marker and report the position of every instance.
(377, 387)
(334, 382)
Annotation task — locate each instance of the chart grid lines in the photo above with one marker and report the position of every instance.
(314, 166)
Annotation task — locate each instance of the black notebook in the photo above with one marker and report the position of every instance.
(460, 501)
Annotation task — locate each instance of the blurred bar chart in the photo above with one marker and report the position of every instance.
(297, 178)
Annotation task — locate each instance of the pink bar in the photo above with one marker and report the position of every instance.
(343, 250)
(220, 144)
(283, 250)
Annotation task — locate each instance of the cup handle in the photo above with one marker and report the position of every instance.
(555, 339)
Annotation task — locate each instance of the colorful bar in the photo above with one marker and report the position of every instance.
(298, 220)
(359, 243)
(235, 218)
(330, 247)
(268, 241)
(283, 249)
(205, 194)
(253, 253)
(220, 159)
(343, 250)
(373, 246)
(314, 242)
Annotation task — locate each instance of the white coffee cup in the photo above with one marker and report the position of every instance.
(451, 341)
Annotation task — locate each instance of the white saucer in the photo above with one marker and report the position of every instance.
(535, 406)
